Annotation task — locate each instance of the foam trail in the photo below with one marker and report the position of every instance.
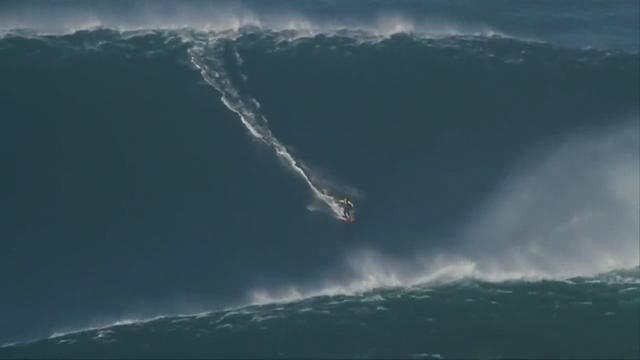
(246, 108)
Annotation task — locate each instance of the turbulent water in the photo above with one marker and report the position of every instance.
(576, 318)
(172, 158)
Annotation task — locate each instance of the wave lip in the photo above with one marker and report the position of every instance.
(559, 23)
(73, 16)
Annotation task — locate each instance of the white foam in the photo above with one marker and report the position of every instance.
(260, 318)
(225, 18)
(628, 289)
(210, 51)
(122, 322)
(103, 334)
(224, 326)
(571, 211)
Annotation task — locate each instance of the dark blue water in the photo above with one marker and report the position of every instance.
(578, 318)
(489, 142)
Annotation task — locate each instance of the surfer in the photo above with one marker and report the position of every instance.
(347, 207)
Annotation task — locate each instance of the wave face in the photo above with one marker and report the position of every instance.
(578, 318)
(191, 166)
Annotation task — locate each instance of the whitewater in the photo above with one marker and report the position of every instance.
(247, 109)
(499, 159)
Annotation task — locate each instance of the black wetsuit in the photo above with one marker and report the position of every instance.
(346, 209)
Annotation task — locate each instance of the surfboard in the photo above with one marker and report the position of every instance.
(347, 219)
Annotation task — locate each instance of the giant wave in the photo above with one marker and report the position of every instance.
(462, 164)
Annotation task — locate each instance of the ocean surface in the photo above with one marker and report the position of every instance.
(575, 318)
(171, 174)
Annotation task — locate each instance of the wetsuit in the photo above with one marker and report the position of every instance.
(347, 206)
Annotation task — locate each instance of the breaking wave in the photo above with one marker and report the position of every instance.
(486, 157)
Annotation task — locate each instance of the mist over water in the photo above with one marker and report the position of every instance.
(565, 211)
(173, 158)
(602, 23)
